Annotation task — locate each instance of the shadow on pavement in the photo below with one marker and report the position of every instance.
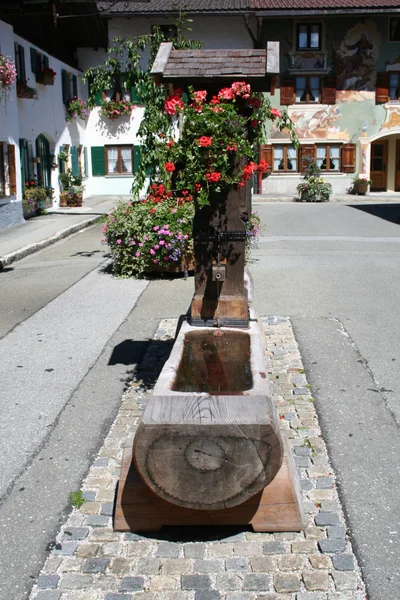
(389, 212)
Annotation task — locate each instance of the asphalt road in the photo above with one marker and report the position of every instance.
(334, 270)
(70, 336)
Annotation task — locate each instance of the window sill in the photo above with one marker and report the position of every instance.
(119, 175)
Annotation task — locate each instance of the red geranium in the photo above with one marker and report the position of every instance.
(204, 141)
(214, 176)
(169, 167)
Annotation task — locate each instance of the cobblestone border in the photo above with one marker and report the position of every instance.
(90, 561)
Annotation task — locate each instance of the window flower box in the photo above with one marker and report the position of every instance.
(24, 91)
(45, 77)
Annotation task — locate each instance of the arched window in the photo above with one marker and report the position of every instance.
(44, 166)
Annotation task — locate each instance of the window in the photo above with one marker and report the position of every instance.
(20, 63)
(170, 31)
(309, 36)
(394, 85)
(328, 157)
(285, 158)
(308, 88)
(69, 86)
(394, 30)
(119, 160)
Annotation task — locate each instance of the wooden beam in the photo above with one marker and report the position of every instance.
(161, 59)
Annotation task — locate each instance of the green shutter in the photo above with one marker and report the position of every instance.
(134, 95)
(45, 62)
(34, 66)
(74, 87)
(98, 162)
(74, 161)
(136, 158)
(22, 155)
(65, 90)
(30, 160)
(85, 164)
(21, 51)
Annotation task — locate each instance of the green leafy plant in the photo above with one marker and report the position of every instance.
(77, 499)
(76, 108)
(71, 189)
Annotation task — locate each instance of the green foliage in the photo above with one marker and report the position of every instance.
(76, 108)
(68, 180)
(314, 188)
(77, 499)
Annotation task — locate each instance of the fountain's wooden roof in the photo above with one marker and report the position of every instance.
(209, 64)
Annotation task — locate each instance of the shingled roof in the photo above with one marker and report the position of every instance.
(210, 64)
(158, 7)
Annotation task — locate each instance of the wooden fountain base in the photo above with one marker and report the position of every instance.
(276, 508)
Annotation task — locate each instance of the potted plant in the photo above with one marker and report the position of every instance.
(71, 189)
(360, 185)
(35, 199)
(8, 74)
(76, 108)
(314, 188)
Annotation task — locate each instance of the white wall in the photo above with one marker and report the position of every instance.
(9, 126)
(102, 131)
(46, 115)
(215, 32)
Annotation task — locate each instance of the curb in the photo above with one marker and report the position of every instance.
(7, 259)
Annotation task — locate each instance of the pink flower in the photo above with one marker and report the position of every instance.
(200, 96)
(133, 243)
(119, 241)
(156, 227)
(137, 254)
(152, 251)
(226, 94)
(275, 112)
(140, 244)
(155, 260)
(156, 247)
(162, 242)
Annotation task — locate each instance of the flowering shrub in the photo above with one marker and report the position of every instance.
(8, 74)
(362, 179)
(216, 146)
(115, 109)
(155, 232)
(314, 189)
(76, 108)
(35, 197)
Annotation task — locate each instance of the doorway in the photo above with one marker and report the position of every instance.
(44, 166)
(379, 152)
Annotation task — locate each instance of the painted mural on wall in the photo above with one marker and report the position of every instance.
(319, 123)
(355, 59)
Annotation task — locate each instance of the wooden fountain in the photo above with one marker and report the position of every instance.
(208, 450)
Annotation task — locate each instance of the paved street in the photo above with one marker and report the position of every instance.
(335, 271)
(69, 341)
(70, 335)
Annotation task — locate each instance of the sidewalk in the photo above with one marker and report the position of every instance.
(39, 232)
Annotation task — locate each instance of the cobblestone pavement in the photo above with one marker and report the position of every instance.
(89, 561)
